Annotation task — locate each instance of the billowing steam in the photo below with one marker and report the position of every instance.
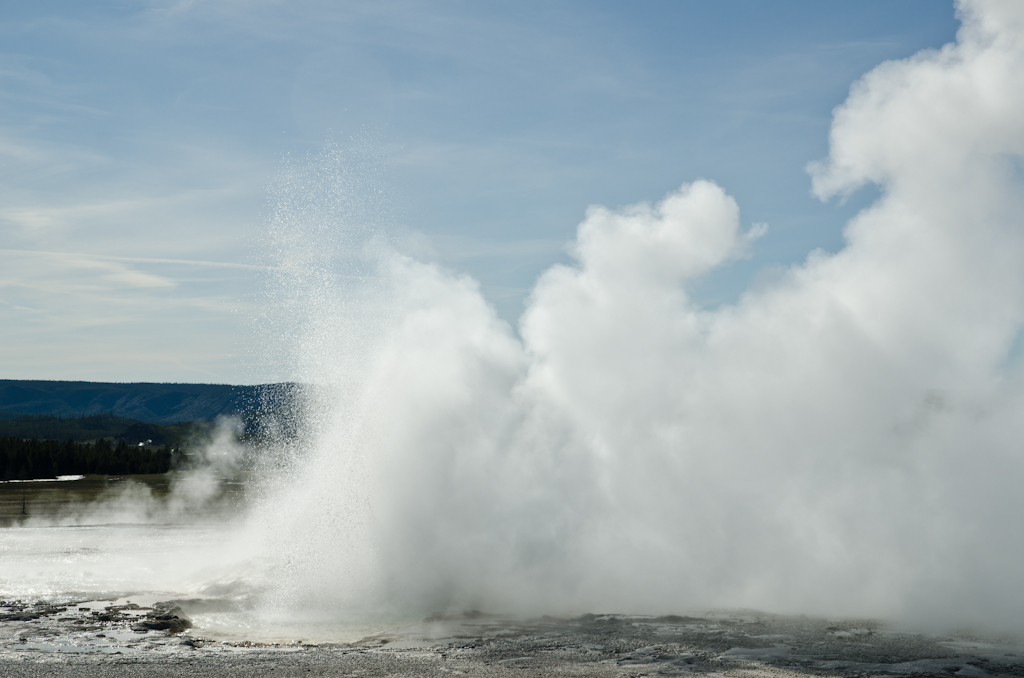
(846, 440)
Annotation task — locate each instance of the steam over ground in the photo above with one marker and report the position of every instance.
(847, 439)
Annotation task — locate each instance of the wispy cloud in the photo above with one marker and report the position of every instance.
(138, 139)
(76, 256)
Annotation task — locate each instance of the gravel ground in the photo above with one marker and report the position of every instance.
(97, 639)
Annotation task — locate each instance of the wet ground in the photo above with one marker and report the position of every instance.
(27, 501)
(24, 500)
(56, 629)
(121, 638)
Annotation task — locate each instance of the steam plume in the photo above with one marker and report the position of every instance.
(844, 441)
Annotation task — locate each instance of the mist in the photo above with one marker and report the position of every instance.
(842, 440)
(185, 538)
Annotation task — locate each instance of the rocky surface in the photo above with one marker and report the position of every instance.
(126, 639)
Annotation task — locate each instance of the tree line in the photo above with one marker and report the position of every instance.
(26, 459)
(96, 426)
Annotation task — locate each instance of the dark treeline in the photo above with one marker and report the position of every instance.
(96, 426)
(49, 427)
(26, 459)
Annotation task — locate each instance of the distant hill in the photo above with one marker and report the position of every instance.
(153, 403)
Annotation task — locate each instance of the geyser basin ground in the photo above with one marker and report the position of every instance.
(93, 624)
(91, 640)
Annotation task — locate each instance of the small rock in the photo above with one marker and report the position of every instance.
(165, 617)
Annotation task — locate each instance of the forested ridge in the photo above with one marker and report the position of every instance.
(57, 441)
(26, 459)
(146, 402)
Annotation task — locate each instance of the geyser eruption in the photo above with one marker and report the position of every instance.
(843, 441)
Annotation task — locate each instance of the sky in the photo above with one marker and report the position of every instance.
(143, 144)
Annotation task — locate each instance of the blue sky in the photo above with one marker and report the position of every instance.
(139, 142)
